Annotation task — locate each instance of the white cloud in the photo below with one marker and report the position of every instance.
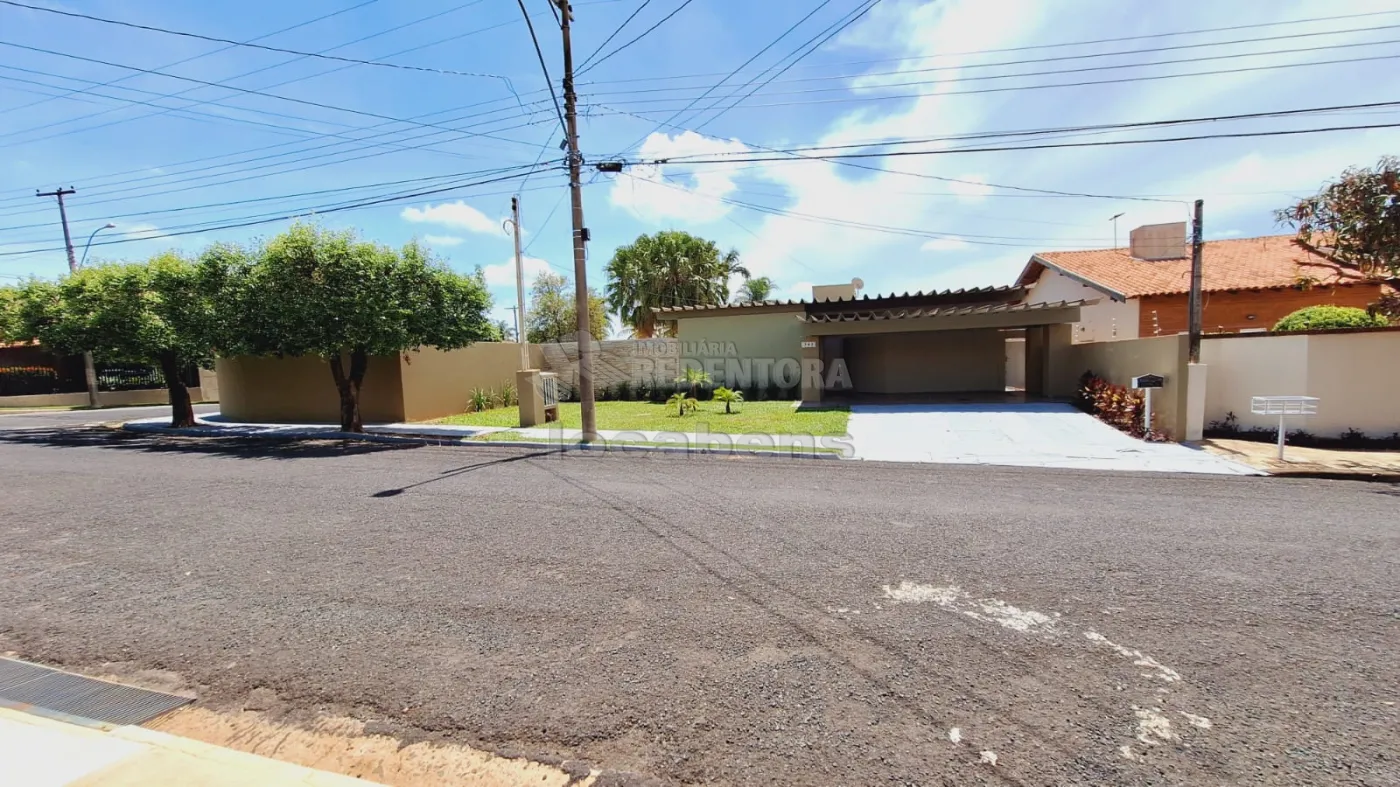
(973, 188)
(945, 244)
(458, 215)
(443, 240)
(140, 231)
(664, 193)
(502, 275)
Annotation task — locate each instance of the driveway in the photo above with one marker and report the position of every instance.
(1026, 435)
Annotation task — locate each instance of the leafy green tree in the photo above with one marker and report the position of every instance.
(670, 268)
(318, 292)
(502, 331)
(730, 397)
(759, 288)
(1358, 215)
(10, 326)
(552, 314)
(160, 312)
(1318, 318)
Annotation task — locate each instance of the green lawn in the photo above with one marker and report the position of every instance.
(750, 418)
(710, 442)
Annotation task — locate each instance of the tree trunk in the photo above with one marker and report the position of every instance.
(348, 385)
(181, 409)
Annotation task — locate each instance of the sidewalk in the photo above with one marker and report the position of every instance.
(1310, 462)
(39, 752)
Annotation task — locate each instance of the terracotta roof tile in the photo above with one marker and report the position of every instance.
(1242, 264)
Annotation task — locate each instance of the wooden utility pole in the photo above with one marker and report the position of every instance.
(519, 307)
(1193, 335)
(585, 336)
(89, 367)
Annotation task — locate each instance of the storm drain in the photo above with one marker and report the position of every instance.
(51, 692)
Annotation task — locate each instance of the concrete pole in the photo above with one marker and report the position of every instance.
(519, 286)
(89, 366)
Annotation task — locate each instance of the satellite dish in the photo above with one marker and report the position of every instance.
(857, 284)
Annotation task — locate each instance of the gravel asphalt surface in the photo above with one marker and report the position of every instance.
(731, 620)
(40, 419)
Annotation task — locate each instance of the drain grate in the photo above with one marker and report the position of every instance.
(48, 691)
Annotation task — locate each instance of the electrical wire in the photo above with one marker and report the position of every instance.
(852, 19)
(613, 34)
(263, 47)
(639, 37)
(540, 54)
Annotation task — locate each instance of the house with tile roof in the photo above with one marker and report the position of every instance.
(1248, 284)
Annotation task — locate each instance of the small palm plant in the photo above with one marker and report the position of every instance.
(729, 397)
(683, 403)
(694, 378)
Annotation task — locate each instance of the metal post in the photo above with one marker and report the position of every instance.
(1147, 412)
(89, 366)
(585, 337)
(1281, 435)
(519, 286)
(1193, 338)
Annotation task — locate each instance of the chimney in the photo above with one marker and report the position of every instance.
(1159, 242)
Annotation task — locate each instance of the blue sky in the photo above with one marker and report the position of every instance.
(153, 167)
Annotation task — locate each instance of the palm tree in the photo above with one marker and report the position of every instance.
(759, 288)
(670, 268)
(694, 378)
(729, 397)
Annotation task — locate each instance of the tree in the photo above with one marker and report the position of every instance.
(503, 331)
(1358, 215)
(694, 378)
(670, 268)
(1319, 318)
(683, 403)
(730, 397)
(759, 288)
(10, 326)
(159, 312)
(318, 292)
(552, 315)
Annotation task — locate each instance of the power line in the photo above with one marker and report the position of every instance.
(979, 91)
(1000, 64)
(682, 158)
(250, 45)
(334, 208)
(222, 49)
(862, 11)
(540, 54)
(613, 34)
(639, 37)
(726, 78)
(1106, 143)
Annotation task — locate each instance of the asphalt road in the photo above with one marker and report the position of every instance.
(732, 621)
(40, 419)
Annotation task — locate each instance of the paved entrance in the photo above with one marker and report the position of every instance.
(1031, 434)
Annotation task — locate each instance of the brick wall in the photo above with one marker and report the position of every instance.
(1229, 312)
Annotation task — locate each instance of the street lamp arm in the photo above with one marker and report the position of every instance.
(88, 245)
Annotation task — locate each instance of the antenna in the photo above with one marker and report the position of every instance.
(1114, 218)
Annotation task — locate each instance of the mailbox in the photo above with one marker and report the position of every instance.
(1149, 381)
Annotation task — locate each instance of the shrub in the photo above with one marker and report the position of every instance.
(509, 396)
(683, 403)
(1116, 405)
(481, 399)
(729, 397)
(1317, 318)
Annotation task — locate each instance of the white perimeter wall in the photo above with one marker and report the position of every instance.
(1355, 375)
(1105, 321)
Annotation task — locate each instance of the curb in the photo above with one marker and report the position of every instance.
(1338, 475)
(462, 442)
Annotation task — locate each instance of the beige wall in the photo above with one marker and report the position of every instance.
(301, 390)
(1105, 321)
(927, 362)
(437, 383)
(144, 396)
(1119, 362)
(753, 336)
(1354, 376)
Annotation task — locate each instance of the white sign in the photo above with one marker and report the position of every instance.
(809, 345)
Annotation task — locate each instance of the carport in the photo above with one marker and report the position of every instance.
(938, 345)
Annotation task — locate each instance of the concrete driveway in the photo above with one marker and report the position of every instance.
(1022, 434)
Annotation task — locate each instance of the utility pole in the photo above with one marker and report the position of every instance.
(89, 368)
(585, 337)
(1193, 337)
(519, 307)
(515, 318)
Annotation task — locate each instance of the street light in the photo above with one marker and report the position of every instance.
(107, 226)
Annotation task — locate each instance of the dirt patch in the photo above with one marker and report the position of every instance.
(1316, 462)
(342, 745)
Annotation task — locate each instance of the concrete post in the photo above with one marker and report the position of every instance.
(811, 353)
(528, 390)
